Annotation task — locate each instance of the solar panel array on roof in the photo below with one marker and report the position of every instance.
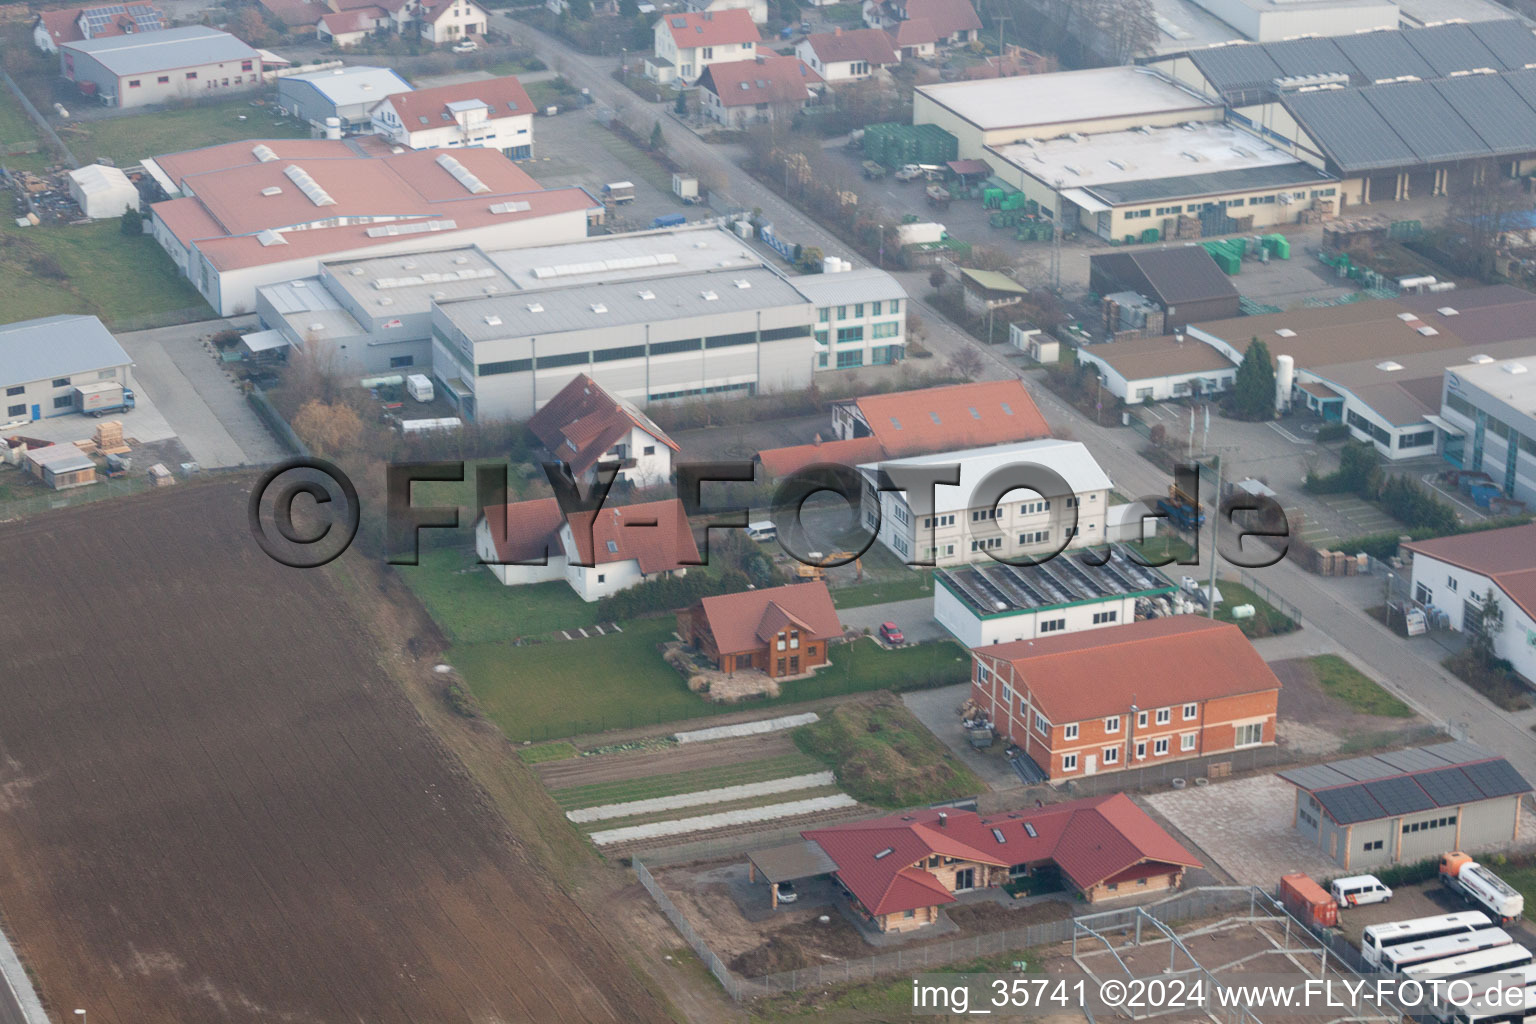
(145, 19)
(1407, 781)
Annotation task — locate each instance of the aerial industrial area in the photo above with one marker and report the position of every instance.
(731, 511)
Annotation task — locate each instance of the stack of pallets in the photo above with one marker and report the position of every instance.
(109, 438)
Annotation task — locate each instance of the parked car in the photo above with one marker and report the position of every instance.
(890, 633)
(467, 46)
(787, 892)
(1358, 890)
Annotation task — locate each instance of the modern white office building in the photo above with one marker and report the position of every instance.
(1486, 421)
(952, 525)
(861, 318)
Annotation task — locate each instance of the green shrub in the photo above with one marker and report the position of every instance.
(1332, 432)
(669, 593)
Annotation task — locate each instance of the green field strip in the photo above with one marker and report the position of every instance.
(623, 791)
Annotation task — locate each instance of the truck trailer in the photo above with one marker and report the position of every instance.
(102, 398)
(1481, 887)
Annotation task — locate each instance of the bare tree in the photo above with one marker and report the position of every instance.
(966, 363)
(1481, 212)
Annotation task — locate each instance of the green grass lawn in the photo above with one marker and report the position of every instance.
(108, 275)
(1523, 877)
(16, 126)
(1340, 679)
(844, 14)
(917, 583)
(558, 751)
(884, 756)
(570, 688)
(1267, 619)
(654, 786)
(473, 607)
(127, 140)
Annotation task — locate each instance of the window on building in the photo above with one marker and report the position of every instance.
(246, 65)
(1249, 735)
(1112, 724)
(822, 314)
(163, 80)
(709, 53)
(1190, 711)
(1042, 724)
(16, 410)
(1053, 625)
(133, 83)
(1100, 618)
(64, 401)
(1160, 747)
(602, 577)
(847, 359)
(1141, 749)
(14, 391)
(1187, 741)
(61, 382)
(1141, 720)
(649, 449)
(847, 335)
(1164, 716)
(1069, 731)
(1007, 695)
(1451, 584)
(1111, 755)
(1423, 594)
(1374, 844)
(191, 75)
(886, 330)
(1069, 762)
(858, 310)
(398, 361)
(874, 309)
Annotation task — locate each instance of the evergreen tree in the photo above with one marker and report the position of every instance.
(1253, 392)
(656, 139)
(132, 222)
(681, 106)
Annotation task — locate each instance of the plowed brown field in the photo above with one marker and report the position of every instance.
(215, 806)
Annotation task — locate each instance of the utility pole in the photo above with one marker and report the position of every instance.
(1056, 239)
(1210, 598)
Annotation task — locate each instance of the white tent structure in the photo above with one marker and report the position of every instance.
(102, 192)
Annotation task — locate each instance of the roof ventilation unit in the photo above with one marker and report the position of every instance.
(515, 206)
(1481, 359)
(1389, 366)
(1285, 332)
(272, 190)
(270, 237)
(493, 320)
(460, 260)
(1428, 331)
(534, 307)
(646, 295)
(1448, 311)
(743, 283)
(263, 153)
(708, 296)
(308, 185)
(1514, 367)
(356, 271)
(462, 174)
(598, 307)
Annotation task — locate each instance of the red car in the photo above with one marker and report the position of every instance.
(890, 634)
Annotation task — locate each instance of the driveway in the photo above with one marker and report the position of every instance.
(196, 396)
(938, 709)
(915, 618)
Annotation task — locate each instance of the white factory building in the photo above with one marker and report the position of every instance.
(990, 602)
(954, 525)
(1487, 421)
(43, 361)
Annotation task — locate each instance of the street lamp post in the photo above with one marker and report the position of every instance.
(1130, 746)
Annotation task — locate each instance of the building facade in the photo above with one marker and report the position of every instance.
(1408, 805)
(349, 94)
(1485, 423)
(861, 318)
(765, 89)
(494, 114)
(954, 525)
(450, 21)
(1466, 576)
(781, 631)
(730, 332)
(586, 427)
(687, 43)
(171, 65)
(43, 361)
(847, 55)
(1167, 689)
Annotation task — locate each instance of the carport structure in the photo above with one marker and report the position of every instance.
(789, 863)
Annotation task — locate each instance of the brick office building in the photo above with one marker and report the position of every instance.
(1128, 696)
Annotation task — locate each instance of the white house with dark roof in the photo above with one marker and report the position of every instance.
(42, 362)
(585, 427)
(1458, 576)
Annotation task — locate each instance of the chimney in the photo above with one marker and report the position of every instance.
(943, 819)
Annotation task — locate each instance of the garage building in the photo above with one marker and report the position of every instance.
(348, 94)
(102, 192)
(195, 62)
(43, 361)
(1408, 805)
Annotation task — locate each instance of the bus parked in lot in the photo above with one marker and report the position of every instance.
(1378, 937)
(1406, 954)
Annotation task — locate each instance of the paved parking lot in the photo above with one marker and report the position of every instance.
(573, 149)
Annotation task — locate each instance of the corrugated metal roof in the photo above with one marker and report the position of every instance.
(1349, 129)
(346, 86)
(866, 284)
(1448, 48)
(1238, 67)
(187, 47)
(572, 308)
(1501, 117)
(56, 346)
(1245, 179)
(1429, 125)
(1512, 44)
(1296, 57)
(1379, 55)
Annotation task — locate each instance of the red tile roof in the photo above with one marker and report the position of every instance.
(654, 533)
(1507, 556)
(767, 79)
(866, 44)
(748, 620)
(1153, 663)
(63, 24)
(712, 28)
(914, 32)
(432, 10)
(1092, 840)
(356, 19)
(295, 13)
(505, 96)
(583, 421)
(526, 530)
(947, 16)
(953, 417)
(852, 452)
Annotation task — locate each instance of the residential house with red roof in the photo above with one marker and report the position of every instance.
(899, 871)
(850, 55)
(687, 43)
(1128, 696)
(353, 26)
(598, 554)
(917, 27)
(58, 26)
(259, 212)
(1461, 577)
(781, 631)
(759, 91)
(449, 21)
(494, 113)
(584, 426)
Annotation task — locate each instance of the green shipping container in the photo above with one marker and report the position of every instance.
(1150, 235)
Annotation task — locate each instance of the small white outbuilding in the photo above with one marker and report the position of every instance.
(103, 192)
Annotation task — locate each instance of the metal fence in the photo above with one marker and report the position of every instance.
(1264, 591)
(275, 422)
(729, 981)
(37, 118)
(26, 508)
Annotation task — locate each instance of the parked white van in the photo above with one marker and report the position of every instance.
(763, 531)
(1358, 890)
